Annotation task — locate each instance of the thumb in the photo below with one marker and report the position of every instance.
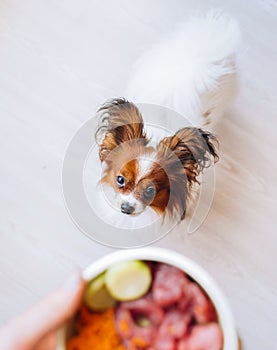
(24, 332)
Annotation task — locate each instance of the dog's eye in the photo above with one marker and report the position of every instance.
(149, 192)
(120, 181)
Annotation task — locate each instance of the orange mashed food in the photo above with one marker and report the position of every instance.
(95, 331)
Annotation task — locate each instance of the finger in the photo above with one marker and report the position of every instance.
(26, 330)
(48, 342)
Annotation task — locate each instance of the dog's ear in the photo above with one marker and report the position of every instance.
(195, 149)
(119, 121)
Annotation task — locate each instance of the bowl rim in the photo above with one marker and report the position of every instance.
(180, 261)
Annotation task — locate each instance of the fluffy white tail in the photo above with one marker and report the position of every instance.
(191, 71)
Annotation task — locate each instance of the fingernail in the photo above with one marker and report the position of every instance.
(73, 282)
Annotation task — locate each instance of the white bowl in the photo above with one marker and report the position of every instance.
(175, 259)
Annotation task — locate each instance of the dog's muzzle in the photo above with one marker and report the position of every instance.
(126, 208)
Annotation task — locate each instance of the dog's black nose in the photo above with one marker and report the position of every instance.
(126, 208)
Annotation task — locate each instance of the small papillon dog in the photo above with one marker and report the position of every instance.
(193, 72)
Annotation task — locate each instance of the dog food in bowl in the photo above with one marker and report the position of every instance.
(136, 305)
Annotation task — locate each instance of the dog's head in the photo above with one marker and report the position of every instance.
(142, 175)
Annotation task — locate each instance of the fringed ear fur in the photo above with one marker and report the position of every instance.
(184, 155)
(120, 121)
(195, 148)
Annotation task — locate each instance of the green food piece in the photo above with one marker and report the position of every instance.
(142, 321)
(97, 297)
(128, 280)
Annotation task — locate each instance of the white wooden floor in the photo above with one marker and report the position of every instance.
(61, 59)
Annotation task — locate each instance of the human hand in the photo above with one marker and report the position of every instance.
(36, 328)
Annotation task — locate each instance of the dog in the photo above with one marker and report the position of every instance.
(192, 71)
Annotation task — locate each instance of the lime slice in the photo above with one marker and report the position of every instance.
(128, 280)
(96, 295)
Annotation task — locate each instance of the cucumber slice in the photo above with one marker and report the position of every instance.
(97, 297)
(128, 280)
